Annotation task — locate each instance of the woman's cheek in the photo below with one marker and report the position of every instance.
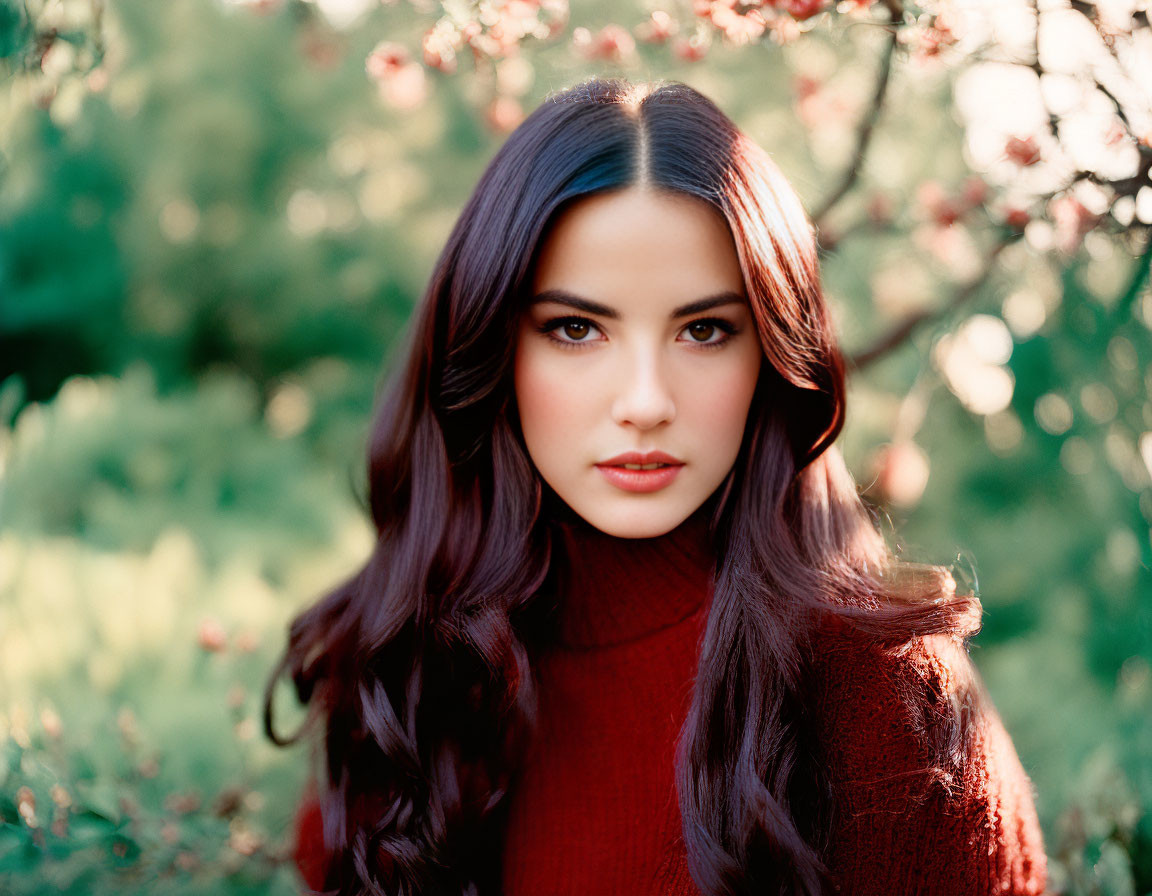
(722, 407)
(549, 399)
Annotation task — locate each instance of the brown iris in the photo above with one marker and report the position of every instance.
(695, 328)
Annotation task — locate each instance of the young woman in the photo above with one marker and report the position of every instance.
(628, 627)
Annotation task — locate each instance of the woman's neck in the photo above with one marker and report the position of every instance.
(614, 590)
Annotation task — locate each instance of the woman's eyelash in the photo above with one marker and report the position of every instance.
(728, 329)
(548, 327)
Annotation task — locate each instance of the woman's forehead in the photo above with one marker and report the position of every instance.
(613, 247)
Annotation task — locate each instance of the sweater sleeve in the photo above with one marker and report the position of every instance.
(308, 849)
(899, 824)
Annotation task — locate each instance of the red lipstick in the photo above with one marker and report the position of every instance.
(650, 480)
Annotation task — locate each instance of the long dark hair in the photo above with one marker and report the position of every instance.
(419, 667)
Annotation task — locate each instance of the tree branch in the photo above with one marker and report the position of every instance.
(868, 122)
(1138, 279)
(902, 331)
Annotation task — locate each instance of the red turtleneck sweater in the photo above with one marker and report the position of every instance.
(596, 809)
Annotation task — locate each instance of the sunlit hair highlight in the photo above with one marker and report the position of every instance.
(417, 670)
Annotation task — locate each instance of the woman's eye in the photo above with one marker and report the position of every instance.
(701, 330)
(712, 332)
(569, 331)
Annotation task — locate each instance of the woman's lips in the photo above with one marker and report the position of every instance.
(644, 458)
(639, 480)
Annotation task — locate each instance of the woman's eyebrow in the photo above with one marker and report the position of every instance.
(563, 297)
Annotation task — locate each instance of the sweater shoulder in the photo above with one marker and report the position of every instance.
(922, 770)
(863, 686)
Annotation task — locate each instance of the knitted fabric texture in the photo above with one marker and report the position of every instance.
(595, 808)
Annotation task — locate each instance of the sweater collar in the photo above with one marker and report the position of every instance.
(615, 590)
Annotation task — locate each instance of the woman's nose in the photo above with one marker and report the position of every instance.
(643, 392)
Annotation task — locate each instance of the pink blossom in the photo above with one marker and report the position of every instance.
(951, 244)
(97, 79)
(974, 191)
(321, 51)
(440, 44)
(936, 205)
(783, 29)
(1023, 151)
(1016, 218)
(879, 209)
(504, 114)
(1072, 220)
(211, 636)
(385, 60)
(247, 641)
(657, 28)
(901, 470)
(690, 49)
(804, 9)
(503, 26)
(814, 105)
(555, 16)
(400, 80)
(1116, 132)
(805, 86)
(407, 89)
(739, 28)
(612, 42)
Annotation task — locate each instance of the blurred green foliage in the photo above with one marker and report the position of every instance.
(212, 232)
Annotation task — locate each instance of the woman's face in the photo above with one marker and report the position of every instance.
(638, 338)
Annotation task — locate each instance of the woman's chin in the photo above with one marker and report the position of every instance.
(654, 519)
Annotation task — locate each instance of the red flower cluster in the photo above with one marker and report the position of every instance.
(495, 31)
(743, 22)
